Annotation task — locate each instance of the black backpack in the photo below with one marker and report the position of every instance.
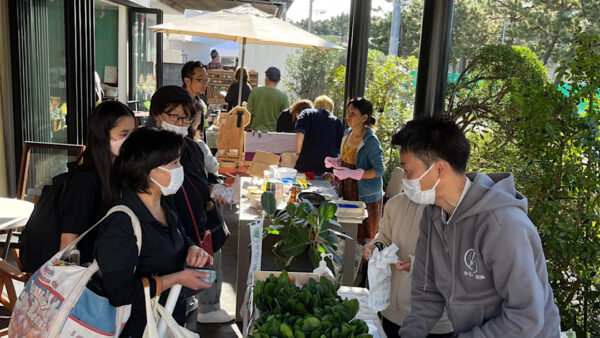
(40, 239)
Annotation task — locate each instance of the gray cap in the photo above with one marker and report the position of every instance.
(273, 74)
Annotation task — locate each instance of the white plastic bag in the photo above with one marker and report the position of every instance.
(380, 277)
(155, 313)
(568, 334)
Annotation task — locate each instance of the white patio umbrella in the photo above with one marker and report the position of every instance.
(246, 24)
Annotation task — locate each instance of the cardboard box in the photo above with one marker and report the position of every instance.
(300, 278)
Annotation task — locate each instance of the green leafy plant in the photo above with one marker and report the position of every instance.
(314, 310)
(301, 227)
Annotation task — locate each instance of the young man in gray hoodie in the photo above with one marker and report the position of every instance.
(478, 254)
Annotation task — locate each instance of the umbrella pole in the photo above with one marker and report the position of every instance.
(241, 79)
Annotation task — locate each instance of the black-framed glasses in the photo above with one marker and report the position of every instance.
(176, 118)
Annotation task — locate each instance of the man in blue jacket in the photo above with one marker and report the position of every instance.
(478, 254)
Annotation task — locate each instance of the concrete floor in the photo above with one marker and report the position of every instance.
(230, 257)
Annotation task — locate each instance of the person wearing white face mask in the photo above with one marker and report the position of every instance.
(87, 193)
(148, 172)
(478, 254)
(174, 110)
(400, 226)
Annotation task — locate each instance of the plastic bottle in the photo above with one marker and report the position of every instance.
(322, 269)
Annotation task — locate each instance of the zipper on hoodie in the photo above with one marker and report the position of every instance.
(447, 251)
(449, 296)
(444, 242)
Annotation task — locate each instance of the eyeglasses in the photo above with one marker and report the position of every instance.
(176, 118)
(201, 80)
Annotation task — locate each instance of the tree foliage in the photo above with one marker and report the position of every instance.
(472, 27)
(521, 122)
(308, 72)
(548, 28)
(483, 97)
(334, 27)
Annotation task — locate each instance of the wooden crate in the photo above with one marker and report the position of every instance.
(220, 80)
(230, 153)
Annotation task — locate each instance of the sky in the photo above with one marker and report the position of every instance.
(323, 9)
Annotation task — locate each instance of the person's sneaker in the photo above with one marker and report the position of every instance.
(218, 316)
(191, 304)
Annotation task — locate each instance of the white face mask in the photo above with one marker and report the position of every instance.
(181, 130)
(175, 182)
(412, 189)
(115, 146)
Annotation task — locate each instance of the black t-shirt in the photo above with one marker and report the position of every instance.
(81, 208)
(323, 134)
(285, 122)
(164, 249)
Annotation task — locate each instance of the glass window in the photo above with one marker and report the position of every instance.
(42, 74)
(144, 58)
(57, 73)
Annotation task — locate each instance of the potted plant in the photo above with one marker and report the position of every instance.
(301, 226)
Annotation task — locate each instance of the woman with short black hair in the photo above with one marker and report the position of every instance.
(147, 169)
(173, 110)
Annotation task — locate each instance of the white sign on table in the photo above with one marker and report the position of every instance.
(271, 142)
(256, 245)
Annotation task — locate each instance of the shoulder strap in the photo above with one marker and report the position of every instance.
(187, 201)
(135, 222)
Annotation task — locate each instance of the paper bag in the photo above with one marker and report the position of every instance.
(288, 160)
(261, 162)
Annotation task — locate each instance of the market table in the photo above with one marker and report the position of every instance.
(248, 214)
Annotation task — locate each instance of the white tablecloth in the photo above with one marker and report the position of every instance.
(14, 213)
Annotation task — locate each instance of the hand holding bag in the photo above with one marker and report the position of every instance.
(380, 277)
(155, 312)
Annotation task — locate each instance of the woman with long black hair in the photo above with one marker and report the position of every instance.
(89, 192)
(78, 199)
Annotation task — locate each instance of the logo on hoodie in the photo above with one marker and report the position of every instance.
(471, 264)
(471, 260)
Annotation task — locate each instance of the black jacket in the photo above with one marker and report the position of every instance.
(164, 249)
(232, 94)
(194, 197)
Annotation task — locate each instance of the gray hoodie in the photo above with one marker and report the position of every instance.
(486, 266)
